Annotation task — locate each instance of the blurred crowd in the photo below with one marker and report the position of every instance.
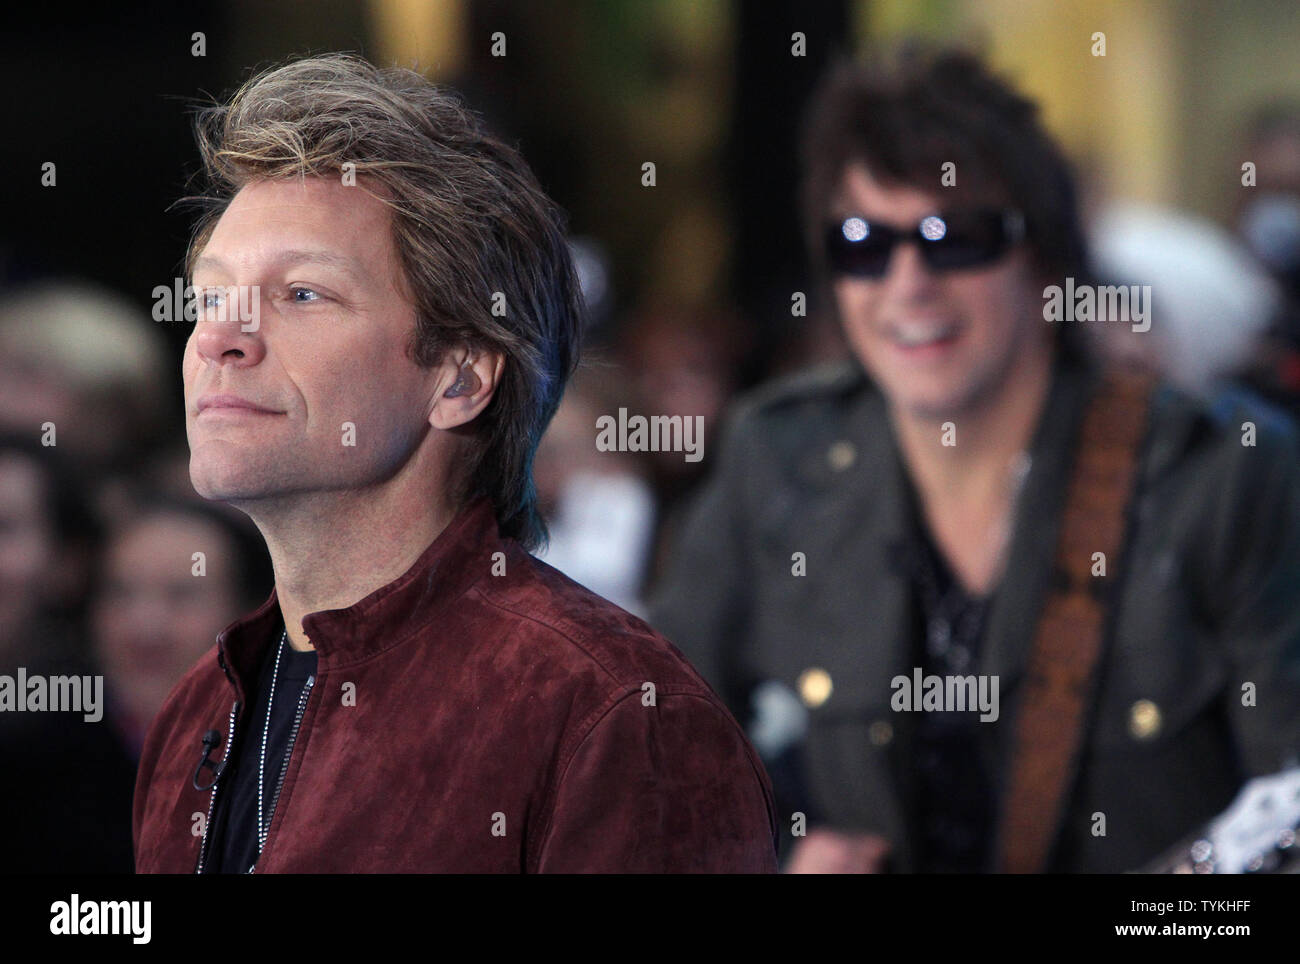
(111, 565)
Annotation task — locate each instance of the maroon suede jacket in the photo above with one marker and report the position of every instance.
(481, 713)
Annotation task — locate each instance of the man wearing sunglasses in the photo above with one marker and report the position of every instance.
(1105, 569)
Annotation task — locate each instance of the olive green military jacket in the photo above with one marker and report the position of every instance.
(786, 572)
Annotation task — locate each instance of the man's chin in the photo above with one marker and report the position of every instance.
(210, 494)
(937, 405)
(226, 489)
(937, 412)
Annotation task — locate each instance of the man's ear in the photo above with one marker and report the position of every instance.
(467, 381)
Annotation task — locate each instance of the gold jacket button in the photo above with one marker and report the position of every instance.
(841, 455)
(880, 733)
(1143, 720)
(814, 686)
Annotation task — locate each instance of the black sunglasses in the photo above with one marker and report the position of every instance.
(949, 241)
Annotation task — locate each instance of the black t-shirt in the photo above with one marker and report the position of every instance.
(233, 848)
(956, 798)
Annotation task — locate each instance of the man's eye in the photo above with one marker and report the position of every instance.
(303, 295)
(212, 298)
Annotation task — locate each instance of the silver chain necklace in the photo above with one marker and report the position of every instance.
(262, 828)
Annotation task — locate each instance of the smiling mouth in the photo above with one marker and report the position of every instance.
(921, 335)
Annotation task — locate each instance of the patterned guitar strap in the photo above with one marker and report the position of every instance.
(1060, 677)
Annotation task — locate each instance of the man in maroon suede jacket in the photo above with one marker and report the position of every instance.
(388, 315)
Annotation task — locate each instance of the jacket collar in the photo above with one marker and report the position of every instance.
(452, 563)
(868, 520)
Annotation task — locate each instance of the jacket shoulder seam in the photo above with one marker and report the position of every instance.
(828, 380)
(568, 637)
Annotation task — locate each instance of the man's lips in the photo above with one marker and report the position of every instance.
(232, 404)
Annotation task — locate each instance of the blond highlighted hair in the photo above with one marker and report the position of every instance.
(469, 220)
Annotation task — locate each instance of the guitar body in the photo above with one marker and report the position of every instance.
(1256, 835)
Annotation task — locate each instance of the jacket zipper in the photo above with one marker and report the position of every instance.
(288, 755)
(216, 785)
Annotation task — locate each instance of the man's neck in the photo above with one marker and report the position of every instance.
(336, 548)
(966, 487)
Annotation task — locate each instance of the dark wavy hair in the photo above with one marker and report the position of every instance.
(907, 111)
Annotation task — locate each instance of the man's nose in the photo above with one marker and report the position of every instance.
(907, 273)
(228, 336)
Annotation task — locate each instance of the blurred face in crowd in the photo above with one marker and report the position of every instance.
(938, 343)
(330, 347)
(566, 448)
(32, 393)
(27, 543)
(153, 618)
(680, 370)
